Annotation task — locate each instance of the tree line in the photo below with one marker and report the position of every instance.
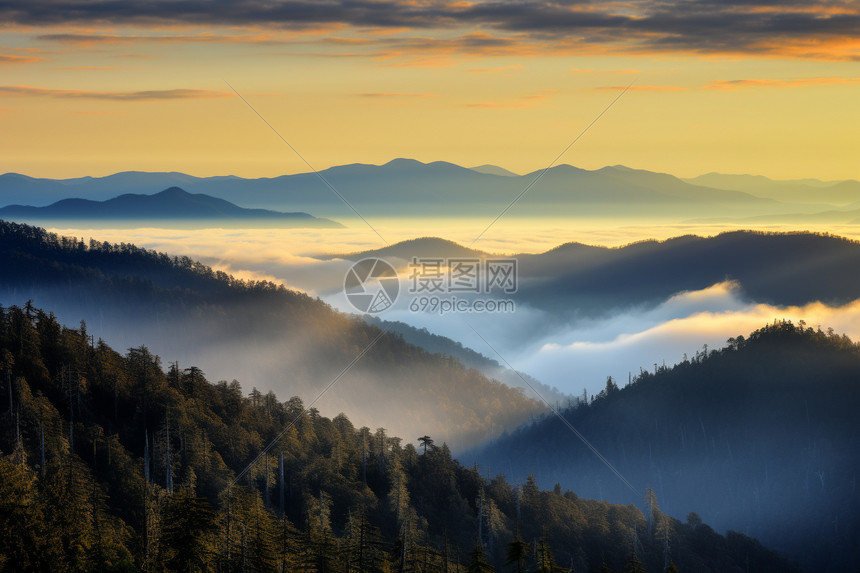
(117, 462)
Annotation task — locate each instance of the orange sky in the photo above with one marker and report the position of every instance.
(764, 89)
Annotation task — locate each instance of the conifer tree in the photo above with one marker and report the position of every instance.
(478, 562)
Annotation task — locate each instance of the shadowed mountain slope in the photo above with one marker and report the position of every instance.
(761, 436)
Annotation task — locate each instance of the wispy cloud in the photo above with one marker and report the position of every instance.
(118, 39)
(145, 95)
(777, 83)
(730, 85)
(12, 59)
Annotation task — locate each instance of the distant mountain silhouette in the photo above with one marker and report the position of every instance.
(794, 191)
(494, 170)
(847, 216)
(578, 279)
(172, 203)
(430, 247)
(776, 268)
(407, 187)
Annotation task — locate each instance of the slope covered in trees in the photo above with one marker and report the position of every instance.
(760, 436)
(110, 463)
(775, 268)
(277, 338)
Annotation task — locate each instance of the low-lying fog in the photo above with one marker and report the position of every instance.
(575, 356)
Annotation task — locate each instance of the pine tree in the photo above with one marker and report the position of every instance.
(478, 562)
(189, 534)
(517, 552)
(20, 518)
(545, 559)
(426, 442)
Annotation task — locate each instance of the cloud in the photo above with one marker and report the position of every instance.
(818, 29)
(584, 354)
(145, 95)
(731, 85)
(472, 44)
(581, 354)
(11, 59)
(775, 83)
(115, 39)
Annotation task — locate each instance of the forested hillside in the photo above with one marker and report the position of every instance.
(110, 463)
(278, 338)
(775, 268)
(761, 436)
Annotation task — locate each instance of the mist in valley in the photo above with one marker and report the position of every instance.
(573, 354)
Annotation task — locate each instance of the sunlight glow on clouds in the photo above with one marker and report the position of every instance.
(584, 355)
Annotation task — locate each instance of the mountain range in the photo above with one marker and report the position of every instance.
(405, 186)
(841, 193)
(171, 204)
(577, 279)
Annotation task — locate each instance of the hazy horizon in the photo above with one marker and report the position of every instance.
(303, 170)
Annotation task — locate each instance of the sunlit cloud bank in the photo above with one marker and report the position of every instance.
(509, 235)
(584, 355)
(581, 355)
